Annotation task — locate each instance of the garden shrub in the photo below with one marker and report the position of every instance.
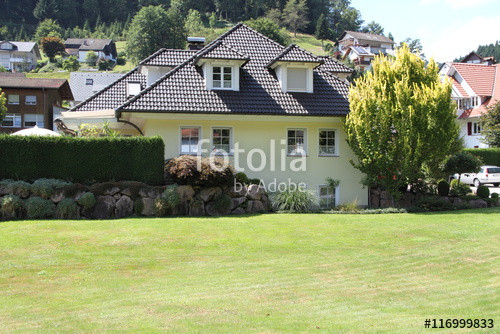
(67, 209)
(495, 196)
(184, 170)
(254, 181)
(352, 206)
(422, 188)
(87, 201)
(483, 192)
(45, 188)
(242, 178)
(432, 203)
(37, 207)
(11, 207)
(443, 188)
(82, 159)
(168, 201)
(489, 156)
(458, 188)
(294, 200)
(19, 188)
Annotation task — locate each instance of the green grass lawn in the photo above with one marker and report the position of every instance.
(52, 75)
(310, 43)
(264, 273)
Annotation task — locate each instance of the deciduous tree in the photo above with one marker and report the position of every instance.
(52, 46)
(295, 15)
(193, 23)
(402, 121)
(373, 28)
(491, 125)
(48, 28)
(153, 28)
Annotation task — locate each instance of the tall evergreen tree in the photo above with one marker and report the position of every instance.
(322, 29)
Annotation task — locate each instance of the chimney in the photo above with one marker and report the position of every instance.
(196, 43)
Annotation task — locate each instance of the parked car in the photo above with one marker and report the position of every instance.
(487, 174)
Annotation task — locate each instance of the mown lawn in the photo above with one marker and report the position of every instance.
(263, 273)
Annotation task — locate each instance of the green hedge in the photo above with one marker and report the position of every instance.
(82, 159)
(489, 156)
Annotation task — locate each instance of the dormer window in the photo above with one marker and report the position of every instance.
(133, 88)
(297, 79)
(222, 77)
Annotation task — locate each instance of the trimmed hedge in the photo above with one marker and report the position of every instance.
(82, 159)
(489, 156)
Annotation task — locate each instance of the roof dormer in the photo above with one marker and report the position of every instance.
(221, 66)
(294, 69)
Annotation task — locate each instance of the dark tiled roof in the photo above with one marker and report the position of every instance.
(221, 50)
(112, 96)
(294, 53)
(88, 43)
(183, 89)
(61, 85)
(168, 57)
(331, 65)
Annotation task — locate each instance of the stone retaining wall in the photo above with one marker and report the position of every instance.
(125, 199)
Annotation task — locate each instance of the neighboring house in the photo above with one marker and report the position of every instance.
(475, 87)
(85, 84)
(474, 58)
(19, 56)
(79, 47)
(32, 101)
(268, 107)
(362, 47)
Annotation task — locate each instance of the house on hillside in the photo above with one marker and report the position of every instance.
(19, 56)
(79, 47)
(85, 84)
(474, 58)
(267, 107)
(32, 101)
(361, 48)
(476, 86)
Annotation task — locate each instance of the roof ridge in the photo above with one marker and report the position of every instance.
(261, 35)
(290, 48)
(105, 88)
(152, 56)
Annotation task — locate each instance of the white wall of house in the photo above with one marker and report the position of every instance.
(83, 54)
(473, 140)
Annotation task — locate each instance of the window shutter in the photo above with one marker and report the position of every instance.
(469, 128)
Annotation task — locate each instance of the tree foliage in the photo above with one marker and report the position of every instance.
(48, 28)
(322, 30)
(193, 23)
(414, 45)
(71, 64)
(462, 162)
(402, 121)
(342, 16)
(3, 108)
(490, 122)
(52, 46)
(295, 15)
(373, 28)
(91, 58)
(269, 28)
(153, 28)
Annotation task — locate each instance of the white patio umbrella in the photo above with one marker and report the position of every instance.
(36, 131)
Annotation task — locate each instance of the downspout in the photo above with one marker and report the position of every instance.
(118, 114)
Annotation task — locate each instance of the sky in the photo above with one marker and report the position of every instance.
(447, 29)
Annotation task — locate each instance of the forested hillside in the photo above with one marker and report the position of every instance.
(19, 18)
(490, 50)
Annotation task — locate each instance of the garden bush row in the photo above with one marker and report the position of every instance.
(489, 156)
(86, 160)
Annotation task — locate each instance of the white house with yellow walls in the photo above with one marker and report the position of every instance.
(276, 113)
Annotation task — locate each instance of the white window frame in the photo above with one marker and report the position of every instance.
(14, 118)
(132, 88)
(14, 103)
(200, 137)
(222, 81)
(335, 198)
(476, 128)
(30, 103)
(231, 142)
(336, 143)
(89, 82)
(40, 120)
(305, 142)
